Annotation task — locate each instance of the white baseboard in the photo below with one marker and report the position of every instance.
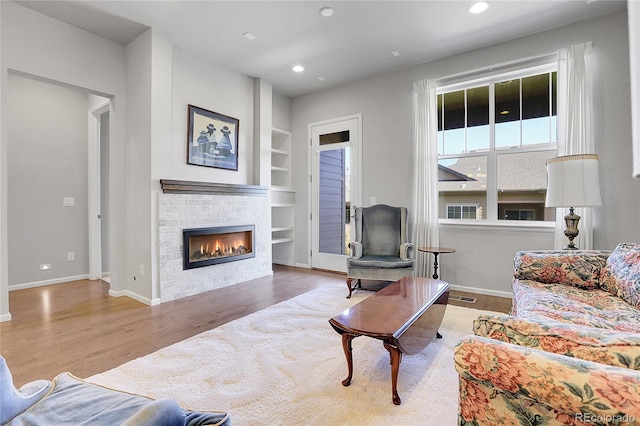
(303, 265)
(135, 296)
(48, 282)
(292, 264)
(5, 317)
(484, 291)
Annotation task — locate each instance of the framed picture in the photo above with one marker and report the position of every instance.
(212, 139)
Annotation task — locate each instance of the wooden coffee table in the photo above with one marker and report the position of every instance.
(405, 315)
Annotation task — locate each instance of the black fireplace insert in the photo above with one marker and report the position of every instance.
(220, 244)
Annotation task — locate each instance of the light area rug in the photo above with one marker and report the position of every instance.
(284, 365)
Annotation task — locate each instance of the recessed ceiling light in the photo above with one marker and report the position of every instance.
(249, 36)
(326, 11)
(395, 53)
(479, 7)
(321, 78)
(298, 68)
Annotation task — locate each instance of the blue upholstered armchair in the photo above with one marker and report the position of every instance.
(380, 250)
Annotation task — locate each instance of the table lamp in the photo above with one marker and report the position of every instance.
(572, 181)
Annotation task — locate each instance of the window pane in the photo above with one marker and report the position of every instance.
(536, 117)
(463, 187)
(507, 100)
(508, 134)
(336, 137)
(453, 141)
(507, 94)
(535, 96)
(440, 113)
(478, 118)
(522, 186)
(453, 119)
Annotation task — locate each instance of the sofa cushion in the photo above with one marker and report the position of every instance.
(579, 269)
(569, 305)
(621, 275)
(379, 262)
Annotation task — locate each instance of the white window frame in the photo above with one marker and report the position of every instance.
(492, 153)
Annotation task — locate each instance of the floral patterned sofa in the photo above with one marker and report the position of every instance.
(569, 353)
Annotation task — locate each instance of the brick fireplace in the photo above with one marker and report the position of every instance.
(233, 209)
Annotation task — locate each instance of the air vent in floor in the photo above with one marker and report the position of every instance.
(466, 299)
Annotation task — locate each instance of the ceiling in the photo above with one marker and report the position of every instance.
(355, 43)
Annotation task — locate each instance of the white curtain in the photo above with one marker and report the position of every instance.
(424, 213)
(575, 128)
(633, 9)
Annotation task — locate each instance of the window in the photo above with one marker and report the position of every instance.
(494, 138)
(462, 211)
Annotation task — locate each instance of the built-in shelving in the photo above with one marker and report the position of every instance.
(282, 199)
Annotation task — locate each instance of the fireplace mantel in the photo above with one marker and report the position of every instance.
(191, 187)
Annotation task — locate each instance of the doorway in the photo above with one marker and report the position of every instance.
(98, 185)
(49, 179)
(335, 189)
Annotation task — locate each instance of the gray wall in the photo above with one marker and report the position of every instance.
(281, 111)
(483, 260)
(47, 160)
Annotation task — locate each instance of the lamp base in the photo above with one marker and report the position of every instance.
(571, 231)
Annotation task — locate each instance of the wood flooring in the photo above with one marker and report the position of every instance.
(77, 327)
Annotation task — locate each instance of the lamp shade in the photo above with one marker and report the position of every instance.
(573, 181)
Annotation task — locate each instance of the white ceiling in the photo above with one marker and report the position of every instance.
(355, 43)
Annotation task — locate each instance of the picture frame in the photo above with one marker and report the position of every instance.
(212, 139)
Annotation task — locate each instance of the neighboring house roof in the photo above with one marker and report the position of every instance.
(516, 172)
(445, 174)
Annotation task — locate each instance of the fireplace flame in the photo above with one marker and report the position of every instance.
(220, 245)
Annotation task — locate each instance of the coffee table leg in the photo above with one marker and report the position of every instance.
(346, 346)
(396, 357)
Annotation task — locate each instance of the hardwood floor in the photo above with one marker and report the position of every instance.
(77, 327)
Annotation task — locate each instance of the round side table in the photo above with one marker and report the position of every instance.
(436, 251)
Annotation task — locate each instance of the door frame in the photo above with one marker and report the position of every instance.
(356, 171)
(94, 189)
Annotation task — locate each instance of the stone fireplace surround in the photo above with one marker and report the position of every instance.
(197, 205)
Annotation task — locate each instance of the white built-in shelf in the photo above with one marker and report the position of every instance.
(282, 228)
(279, 169)
(281, 240)
(282, 199)
(282, 189)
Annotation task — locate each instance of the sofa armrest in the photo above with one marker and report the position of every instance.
(579, 268)
(612, 347)
(501, 383)
(15, 401)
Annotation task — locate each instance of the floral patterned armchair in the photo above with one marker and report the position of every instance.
(569, 353)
